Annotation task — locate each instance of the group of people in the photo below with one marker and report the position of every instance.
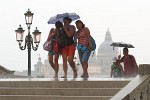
(130, 66)
(65, 39)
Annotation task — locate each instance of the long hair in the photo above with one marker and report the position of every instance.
(79, 21)
(59, 25)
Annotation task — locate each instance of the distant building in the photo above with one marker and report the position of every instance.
(42, 69)
(106, 53)
(5, 73)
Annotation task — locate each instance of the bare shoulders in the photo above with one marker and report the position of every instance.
(86, 29)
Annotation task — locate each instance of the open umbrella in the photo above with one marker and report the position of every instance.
(122, 44)
(60, 17)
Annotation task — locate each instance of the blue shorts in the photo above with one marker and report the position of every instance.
(51, 53)
(84, 56)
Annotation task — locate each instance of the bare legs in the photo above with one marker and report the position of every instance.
(71, 63)
(85, 69)
(73, 66)
(54, 63)
(65, 67)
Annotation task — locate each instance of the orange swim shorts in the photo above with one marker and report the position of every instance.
(68, 50)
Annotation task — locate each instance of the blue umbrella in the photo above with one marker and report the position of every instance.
(60, 17)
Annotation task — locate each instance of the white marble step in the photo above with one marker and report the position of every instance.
(49, 97)
(78, 83)
(60, 91)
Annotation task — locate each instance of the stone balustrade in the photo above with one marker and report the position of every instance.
(138, 88)
(144, 69)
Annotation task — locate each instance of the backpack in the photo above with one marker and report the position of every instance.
(93, 43)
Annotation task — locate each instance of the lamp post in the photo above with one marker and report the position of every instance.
(28, 39)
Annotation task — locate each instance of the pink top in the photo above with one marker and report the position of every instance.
(83, 38)
(129, 62)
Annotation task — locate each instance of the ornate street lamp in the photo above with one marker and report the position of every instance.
(28, 39)
(28, 17)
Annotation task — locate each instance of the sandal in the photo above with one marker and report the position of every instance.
(85, 76)
(56, 76)
(75, 75)
(64, 76)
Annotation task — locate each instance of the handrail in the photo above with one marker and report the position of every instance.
(138, 88)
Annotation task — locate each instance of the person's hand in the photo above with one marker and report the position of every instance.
(50, 33)
(119, 56)
(90, 46)
(51, 30)
(65, 29)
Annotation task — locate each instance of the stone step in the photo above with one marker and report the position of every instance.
(60, 91)
(64, 84)
(50, 97)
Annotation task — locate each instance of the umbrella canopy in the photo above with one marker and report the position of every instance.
(60, 17)
(122, 44)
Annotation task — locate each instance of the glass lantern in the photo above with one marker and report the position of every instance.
(36, 36)
(19, 34)
(28, 17)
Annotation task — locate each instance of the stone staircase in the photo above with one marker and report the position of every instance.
(51, 89)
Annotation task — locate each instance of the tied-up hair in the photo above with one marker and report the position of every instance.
(79, 21)
(59, 25)
(68, 19)
(60, 30)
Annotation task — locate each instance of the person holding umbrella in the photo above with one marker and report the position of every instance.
(66, 43)
(67, 46)
(130, 65)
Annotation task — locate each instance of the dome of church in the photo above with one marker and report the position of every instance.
(106, 52)
(105, 46)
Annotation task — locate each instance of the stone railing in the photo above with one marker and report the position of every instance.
(138, 88)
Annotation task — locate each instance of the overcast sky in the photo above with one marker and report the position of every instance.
(128, 21)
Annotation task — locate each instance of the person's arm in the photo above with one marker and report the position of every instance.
(133, 61)
(119, 60)
(52, 30)
(70, 31)
(135, 64)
